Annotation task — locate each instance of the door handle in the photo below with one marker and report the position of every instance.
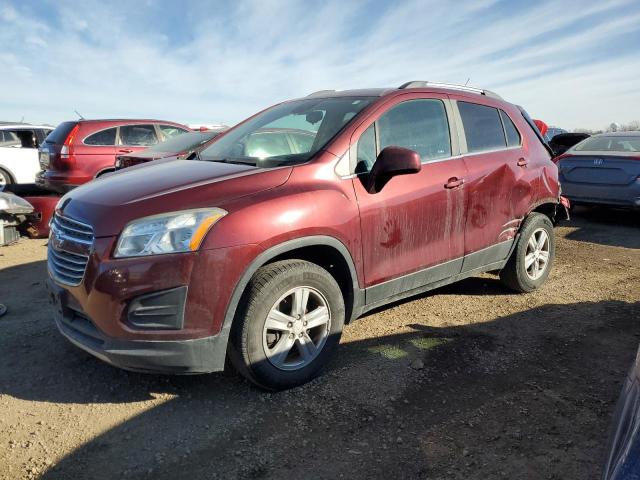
(125, 150)
(454, 182)
(522, 162)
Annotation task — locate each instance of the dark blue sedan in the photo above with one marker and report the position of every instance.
(623, 462)
(603, 169)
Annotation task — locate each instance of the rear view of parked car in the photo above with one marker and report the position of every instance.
(19, 153)
(564, 141)
(182, 146)
(79, 151)
(552, 132)
(297, 221)
(603, 170)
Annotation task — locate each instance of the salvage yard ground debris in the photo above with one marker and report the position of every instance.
(467, 382)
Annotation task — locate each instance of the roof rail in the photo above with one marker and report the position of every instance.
(453, 86)
(320, 93)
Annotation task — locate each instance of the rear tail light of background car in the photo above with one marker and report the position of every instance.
(67, 160)
(559, 157)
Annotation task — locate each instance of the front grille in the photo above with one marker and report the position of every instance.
(69, 249)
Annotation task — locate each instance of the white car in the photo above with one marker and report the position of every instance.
(19, 152)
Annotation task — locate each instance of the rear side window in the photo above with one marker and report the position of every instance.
(482, 127)
(9, 139)
(170, 131)
(513, 136)
(420, 125)
(28, 138)
(138, 135)
(104, 137)
(60, 133)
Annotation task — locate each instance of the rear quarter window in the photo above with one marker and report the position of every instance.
(103, 137)
(60, 133)
(513, 136)
(482, 127)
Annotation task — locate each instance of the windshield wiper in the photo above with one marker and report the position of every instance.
(236, 161)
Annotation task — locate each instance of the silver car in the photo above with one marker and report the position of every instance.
(603, 169)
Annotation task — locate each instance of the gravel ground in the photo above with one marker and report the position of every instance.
(467, 382)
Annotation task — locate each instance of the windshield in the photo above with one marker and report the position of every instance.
(183, 142)
(287, 134)
(612, 143)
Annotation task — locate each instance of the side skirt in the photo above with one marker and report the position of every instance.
(486, 260)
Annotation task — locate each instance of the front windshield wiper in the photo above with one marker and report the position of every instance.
(237, 161)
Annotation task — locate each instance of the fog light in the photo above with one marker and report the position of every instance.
(159, 310)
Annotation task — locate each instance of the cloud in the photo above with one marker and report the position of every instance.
(202, 62)
(8, 13)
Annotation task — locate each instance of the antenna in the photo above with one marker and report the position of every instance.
(467, 82)
(81, 117)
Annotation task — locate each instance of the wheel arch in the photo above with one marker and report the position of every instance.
(104, 171)
(548, 207)
(325, 251)
(309, 248)
(8, 171)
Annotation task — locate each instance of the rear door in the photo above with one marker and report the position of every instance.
(496, 162)
(96, 152)
(416, 221)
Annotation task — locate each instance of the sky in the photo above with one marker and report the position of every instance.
(220, 61)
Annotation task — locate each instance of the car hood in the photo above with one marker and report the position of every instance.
(112, 201)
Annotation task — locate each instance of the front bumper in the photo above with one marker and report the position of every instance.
(107, 313)
(201, 355)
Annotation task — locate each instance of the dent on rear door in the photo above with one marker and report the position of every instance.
(496, 195)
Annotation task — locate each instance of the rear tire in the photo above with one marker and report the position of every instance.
(531, 261)
(289, 323)
(5, 179)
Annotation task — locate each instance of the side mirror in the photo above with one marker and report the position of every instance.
(392, 161)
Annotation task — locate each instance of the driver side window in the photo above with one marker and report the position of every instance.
(420, 125)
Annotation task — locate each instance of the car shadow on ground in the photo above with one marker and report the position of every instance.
(607, 226)
(414, 403)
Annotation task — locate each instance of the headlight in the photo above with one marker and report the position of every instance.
(167, 233)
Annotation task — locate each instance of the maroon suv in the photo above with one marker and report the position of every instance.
(172, 266)
(79, 151)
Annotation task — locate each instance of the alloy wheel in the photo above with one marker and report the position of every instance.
(296, 328)
(536, 257)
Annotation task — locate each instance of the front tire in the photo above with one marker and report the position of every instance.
(532, 259)
(289, 324)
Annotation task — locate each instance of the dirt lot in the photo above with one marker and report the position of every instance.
(467, 382)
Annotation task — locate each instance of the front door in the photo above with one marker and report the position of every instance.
(413, 229)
